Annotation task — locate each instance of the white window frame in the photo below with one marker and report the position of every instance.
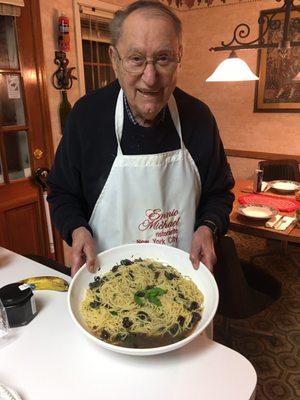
(105, 10)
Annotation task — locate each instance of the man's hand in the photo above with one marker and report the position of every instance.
(203, 248)
(82, 250)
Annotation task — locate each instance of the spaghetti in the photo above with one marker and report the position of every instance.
(142, 303)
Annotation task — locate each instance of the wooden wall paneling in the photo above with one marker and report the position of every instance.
(257, 155)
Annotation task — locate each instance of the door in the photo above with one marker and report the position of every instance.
(25, 136)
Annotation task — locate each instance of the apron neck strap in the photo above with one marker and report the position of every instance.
(119, 118)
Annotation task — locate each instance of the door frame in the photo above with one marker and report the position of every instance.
(33, 8)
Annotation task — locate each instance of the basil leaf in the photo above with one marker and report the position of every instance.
(155, 300)
(138, 300)
(156, 291)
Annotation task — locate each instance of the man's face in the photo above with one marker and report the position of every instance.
(148, 35)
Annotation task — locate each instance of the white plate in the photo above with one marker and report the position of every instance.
(257, 212)
(176, 258)
(284, 186)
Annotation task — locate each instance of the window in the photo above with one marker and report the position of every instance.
(14, 139)
(98, 71)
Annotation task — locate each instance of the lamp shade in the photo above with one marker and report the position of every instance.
(232, 69)
(297, 78)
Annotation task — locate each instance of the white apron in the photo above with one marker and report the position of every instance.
(148, 198)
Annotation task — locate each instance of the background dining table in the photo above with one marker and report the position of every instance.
(50, 358)
(242, 224)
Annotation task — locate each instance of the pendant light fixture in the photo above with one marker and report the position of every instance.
(233, 68)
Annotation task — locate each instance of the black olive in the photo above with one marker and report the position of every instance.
(143, 316)
(105, 335)
(170, 275)
(97, 278)
(140, 293)
(181, 320)
(94, 304)
(103, 280)
(126, 262)
(174, 329)
(156, 275)
(115, 268)
(194, 305)
(126, 322)
(94, 284)
(195, 317)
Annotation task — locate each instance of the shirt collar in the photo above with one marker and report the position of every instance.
(160, 117)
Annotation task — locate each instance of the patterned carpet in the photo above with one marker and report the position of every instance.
(277, 364)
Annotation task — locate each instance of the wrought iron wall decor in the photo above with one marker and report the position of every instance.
(266, 22)
(62, 79)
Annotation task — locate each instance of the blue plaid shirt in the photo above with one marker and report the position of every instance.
(133, 120)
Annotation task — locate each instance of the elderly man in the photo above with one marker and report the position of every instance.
(141, 160)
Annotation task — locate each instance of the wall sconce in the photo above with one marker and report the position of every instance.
(242, 31)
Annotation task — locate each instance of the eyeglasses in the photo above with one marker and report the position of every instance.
(136, 63)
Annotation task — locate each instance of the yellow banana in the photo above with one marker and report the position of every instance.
(47, 283)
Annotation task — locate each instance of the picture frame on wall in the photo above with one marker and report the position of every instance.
(277, 90)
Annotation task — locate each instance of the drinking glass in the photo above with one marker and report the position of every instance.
(4, 325)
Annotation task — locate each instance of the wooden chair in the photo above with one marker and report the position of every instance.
(287, 169)
(245, 290)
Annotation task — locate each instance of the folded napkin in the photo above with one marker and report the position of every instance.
(273, 221)
(285, 223)
(6, 393)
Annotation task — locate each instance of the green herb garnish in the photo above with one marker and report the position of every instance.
(151, 295)
(138, 300)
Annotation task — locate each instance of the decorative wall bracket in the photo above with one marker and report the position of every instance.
(266, 22)
(62, 79)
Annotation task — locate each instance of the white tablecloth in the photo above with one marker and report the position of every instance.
(50, 358)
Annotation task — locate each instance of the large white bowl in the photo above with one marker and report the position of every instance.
(176, 258)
